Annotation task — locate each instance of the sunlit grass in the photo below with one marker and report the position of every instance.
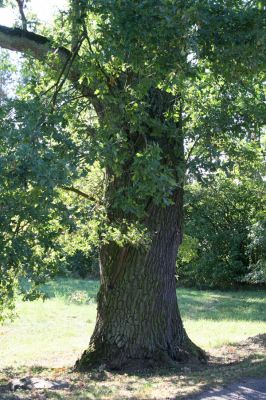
(214, 318)
(53, 333)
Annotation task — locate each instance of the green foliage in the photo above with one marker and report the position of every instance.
(256, 251)
(82, 265)
(228, 32)
(223, 242)
(32, 166)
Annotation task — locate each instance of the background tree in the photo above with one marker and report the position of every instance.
(132, 70)
(223, 222)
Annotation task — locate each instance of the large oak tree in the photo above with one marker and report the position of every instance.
(143, 85)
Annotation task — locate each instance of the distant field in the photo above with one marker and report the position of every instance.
(53, 333)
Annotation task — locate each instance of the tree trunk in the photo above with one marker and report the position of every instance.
(138, 322)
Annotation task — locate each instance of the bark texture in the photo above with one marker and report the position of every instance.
(138, 322)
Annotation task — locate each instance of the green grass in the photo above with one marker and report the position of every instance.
(53, 333)
(47, 337)
(214, 318)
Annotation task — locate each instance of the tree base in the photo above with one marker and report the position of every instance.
(118, 360)
(138, 323)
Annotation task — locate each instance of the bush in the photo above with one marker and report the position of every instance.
(224, 242)
(83, 265)
(256, 251)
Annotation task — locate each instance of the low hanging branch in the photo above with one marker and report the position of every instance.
(40, 48)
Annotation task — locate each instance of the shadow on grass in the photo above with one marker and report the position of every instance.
(229, 364)
(221, 307)
(217, 305)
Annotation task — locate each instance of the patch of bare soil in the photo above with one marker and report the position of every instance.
(235, 353)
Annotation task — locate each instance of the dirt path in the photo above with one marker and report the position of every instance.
(248, 389)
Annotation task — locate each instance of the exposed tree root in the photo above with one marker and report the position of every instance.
(119, 360)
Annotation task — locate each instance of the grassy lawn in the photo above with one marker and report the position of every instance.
(47, 338)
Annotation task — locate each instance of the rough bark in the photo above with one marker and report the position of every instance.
(138, 323)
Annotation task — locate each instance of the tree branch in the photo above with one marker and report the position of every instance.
(40, 47)
(66, 70)
(22, 14)
(16, 39)
(192, 148)
(77, 191)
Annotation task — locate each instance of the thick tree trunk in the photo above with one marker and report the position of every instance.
(138, 322)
